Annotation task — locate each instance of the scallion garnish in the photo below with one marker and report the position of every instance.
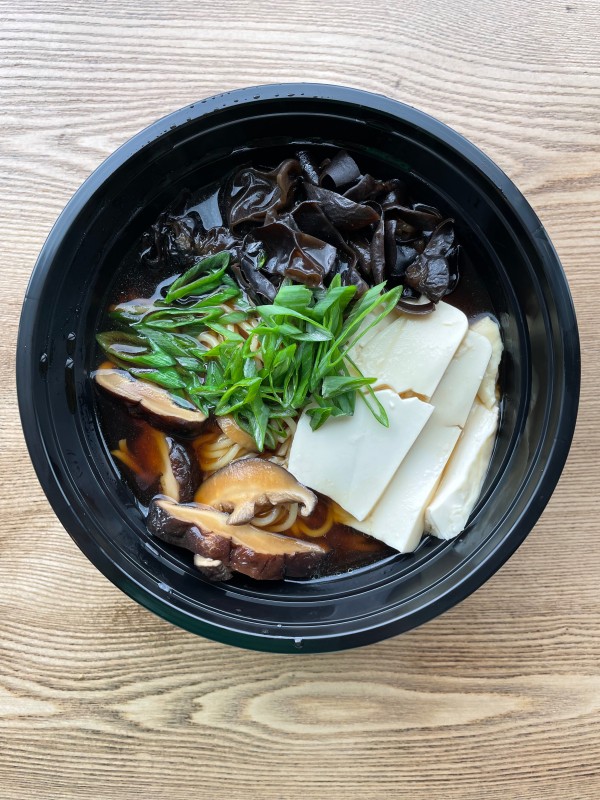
(294, 357)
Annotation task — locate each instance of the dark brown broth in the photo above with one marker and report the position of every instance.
(348, 549)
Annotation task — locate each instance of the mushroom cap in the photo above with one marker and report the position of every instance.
(251, 485)
(151, 400)
(233, 431)
(242, 548)
(157, 464)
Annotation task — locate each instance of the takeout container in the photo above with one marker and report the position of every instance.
(540, 373)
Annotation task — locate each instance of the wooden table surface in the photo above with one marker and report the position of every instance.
(499, 698)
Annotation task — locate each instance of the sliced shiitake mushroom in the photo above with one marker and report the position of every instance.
(233, 431)
(157, 464)
(246, 487)
(212, 568)
(241, 548)
(153, 401)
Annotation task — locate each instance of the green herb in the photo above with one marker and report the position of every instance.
(168, 378)
(335, 385)
(133, 349)
(188, 284)
(294, 358)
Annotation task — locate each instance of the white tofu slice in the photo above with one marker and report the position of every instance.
(412, 353)
(398, 519)
(399, 516)
(457, 494)
(352, 459)
(378, 329)
(458, 388)
(384, 323)
(488, 391)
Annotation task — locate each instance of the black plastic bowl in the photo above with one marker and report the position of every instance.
(56, 351)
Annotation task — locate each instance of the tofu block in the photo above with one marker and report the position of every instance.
(398, 519)
(378, 329)
(412, 353)
(458, 388)
(352, 459)
(488, 391)
(399, 516)
(460, 487)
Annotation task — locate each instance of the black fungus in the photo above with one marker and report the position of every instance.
(310, 171)
(173, 240)
(295, 255)
(310, 219)
(252, 194)
(362, 250)
(429, 273)
(341, 171)
(378, 253)
(344, 213)
(248, 273)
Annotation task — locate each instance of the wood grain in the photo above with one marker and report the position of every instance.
(500, 698)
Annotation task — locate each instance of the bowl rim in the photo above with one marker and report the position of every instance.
(571, 368)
